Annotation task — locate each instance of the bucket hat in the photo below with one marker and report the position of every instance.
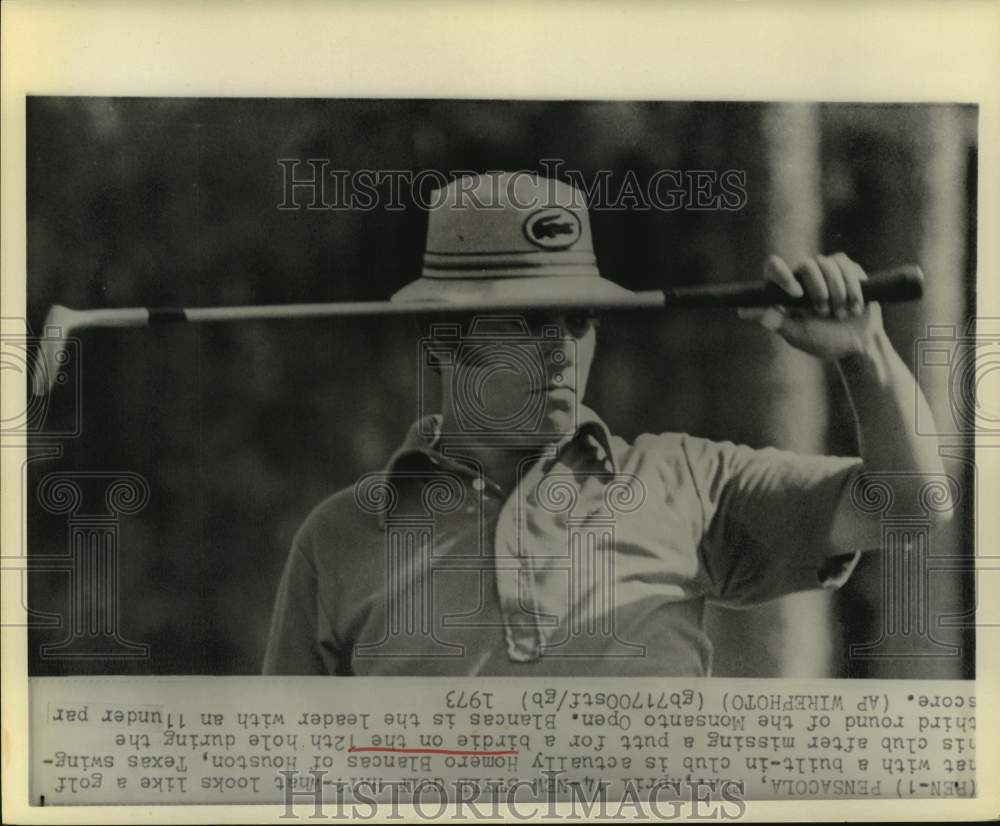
(508, 236)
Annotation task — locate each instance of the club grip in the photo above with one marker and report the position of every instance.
(903, 283)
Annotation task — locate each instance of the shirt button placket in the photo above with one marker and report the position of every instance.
(514, 583)
(475, 500)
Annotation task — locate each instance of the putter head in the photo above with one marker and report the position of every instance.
(51, 353)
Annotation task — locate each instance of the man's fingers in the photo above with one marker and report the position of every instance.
(831, 283)
(834, 284)
(814, 282)
(778, 272)
(770, 317)
(794, 328)
(854, 274)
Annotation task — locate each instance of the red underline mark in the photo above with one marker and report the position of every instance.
(433, 751)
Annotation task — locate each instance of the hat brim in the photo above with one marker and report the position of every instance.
(579, 289)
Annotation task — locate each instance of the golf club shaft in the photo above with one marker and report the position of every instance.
(899, 284)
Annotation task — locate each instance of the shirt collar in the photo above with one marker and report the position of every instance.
(424, 439)
(422, 445)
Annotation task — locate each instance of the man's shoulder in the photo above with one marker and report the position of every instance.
(666, 445)
(677, 456)
(341, 515)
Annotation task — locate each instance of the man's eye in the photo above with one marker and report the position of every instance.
(579, 324)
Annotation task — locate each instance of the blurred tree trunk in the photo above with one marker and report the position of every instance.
(902, 193)
(786, 398)
(941, 147)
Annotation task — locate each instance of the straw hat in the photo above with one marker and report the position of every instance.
(508, 236)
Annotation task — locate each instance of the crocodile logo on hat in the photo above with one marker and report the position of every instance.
(555, 228)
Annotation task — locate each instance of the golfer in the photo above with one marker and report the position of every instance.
(513, 534)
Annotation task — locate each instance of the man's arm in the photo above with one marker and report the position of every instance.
(882, 392)
(881, 389)
(292, 647)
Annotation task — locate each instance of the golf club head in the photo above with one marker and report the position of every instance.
(51, 353)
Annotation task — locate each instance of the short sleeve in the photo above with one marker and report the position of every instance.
(292, 645)
(768, 517)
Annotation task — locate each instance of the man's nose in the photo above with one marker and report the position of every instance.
(561, 352)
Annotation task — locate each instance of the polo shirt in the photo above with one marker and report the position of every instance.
(599, 562)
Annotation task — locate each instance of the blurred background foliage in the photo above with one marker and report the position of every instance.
(242, 429)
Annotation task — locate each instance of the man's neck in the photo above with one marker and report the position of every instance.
(501, 464)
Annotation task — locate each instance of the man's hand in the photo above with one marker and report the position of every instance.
(839, 324)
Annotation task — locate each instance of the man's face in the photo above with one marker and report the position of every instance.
(522, 376)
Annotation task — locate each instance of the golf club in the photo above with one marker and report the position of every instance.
(904, 283)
